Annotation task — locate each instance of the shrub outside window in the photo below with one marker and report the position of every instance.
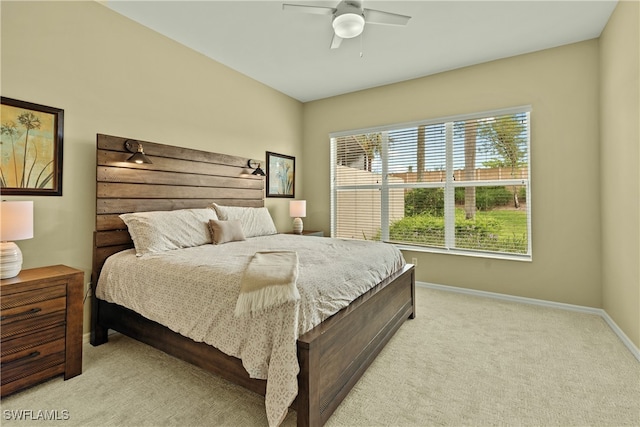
(460, 184)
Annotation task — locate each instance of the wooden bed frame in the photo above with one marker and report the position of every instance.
(332, 356)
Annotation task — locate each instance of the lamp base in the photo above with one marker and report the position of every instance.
(297, 226)
(10, 260)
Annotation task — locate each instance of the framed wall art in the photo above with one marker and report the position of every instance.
(281, 175)
(31, 149)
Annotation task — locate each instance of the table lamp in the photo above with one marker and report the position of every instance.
(16, 223)
(297, 210)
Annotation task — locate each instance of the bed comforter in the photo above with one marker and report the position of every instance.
(193, 291)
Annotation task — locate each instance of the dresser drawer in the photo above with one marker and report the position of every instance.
(32, 360)
(32, 317)
(22, 345)
(29, 380)
(10, 300)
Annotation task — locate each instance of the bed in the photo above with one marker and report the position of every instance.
(331, 356)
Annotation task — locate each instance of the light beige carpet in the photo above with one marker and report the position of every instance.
(464, 360)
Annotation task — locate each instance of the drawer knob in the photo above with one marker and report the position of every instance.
(24, 313)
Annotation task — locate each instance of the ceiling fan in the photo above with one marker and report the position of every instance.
(349, 18)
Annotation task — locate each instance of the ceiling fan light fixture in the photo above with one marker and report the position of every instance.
(348, 25)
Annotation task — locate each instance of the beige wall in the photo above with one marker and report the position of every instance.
(114, 76)
(561, 85)
(620, 161)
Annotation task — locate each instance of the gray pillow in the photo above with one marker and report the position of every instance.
(225, 231)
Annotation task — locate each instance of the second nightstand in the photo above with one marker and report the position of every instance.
(309, 233)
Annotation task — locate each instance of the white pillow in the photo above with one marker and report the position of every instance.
(160, 231)
(255, 221)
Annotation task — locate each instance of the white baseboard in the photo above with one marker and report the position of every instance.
(578, 308)
(623, 337)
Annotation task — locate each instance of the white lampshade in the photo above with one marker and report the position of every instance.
(348, 25)
(298, 208)
(16, 223)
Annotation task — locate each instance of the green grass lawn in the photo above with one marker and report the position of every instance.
(499, 230)
(507, 231)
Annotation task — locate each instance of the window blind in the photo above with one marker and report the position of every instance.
(459, 184)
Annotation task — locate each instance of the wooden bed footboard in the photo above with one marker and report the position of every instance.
(334, 355)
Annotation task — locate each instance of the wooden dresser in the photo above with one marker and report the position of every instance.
(41, 323)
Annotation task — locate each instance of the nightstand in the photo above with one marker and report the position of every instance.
(308, 233)
(41, 320)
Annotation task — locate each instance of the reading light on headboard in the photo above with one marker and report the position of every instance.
(256, 166)
(138, 152)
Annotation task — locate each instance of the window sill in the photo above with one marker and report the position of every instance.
(461, 252)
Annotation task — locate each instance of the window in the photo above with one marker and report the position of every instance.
(460, 185)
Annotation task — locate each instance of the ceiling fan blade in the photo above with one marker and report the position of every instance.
(335, 41)
(372, 16)
(317, 10)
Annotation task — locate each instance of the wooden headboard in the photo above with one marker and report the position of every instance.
(178, 178)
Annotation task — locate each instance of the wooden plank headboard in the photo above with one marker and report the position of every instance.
(178, 178)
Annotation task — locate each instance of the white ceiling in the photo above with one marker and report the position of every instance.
(289, 51)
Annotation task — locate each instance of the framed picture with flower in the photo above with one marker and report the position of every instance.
(281, 175)
(31, 149)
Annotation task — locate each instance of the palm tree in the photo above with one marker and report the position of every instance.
(470, 135)
(29, 121)
(9, 128)
(369, 144)
(506, 141)
(421, 143)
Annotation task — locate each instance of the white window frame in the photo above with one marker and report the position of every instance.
(449, 185)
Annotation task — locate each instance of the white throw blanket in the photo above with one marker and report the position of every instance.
(270, 279)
